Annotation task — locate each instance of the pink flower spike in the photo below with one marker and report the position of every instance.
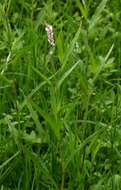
(49, 30)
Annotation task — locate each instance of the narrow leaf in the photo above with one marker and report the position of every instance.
(67, 73)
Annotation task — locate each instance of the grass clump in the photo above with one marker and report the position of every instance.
(60, 107)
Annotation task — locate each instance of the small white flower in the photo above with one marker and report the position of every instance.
(49, 30)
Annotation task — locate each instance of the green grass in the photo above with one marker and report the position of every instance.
(60, 112)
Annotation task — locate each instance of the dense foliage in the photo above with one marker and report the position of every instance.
(60, 107)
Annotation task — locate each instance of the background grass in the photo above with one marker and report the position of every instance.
(60, 112)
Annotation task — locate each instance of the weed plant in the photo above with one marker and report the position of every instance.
(60, 107)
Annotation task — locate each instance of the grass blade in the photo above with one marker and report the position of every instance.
(9, 160)
(69, 51)
(67, 73)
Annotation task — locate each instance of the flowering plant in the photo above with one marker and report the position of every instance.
(49, 30)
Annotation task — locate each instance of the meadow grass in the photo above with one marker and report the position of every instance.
(60, 107)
